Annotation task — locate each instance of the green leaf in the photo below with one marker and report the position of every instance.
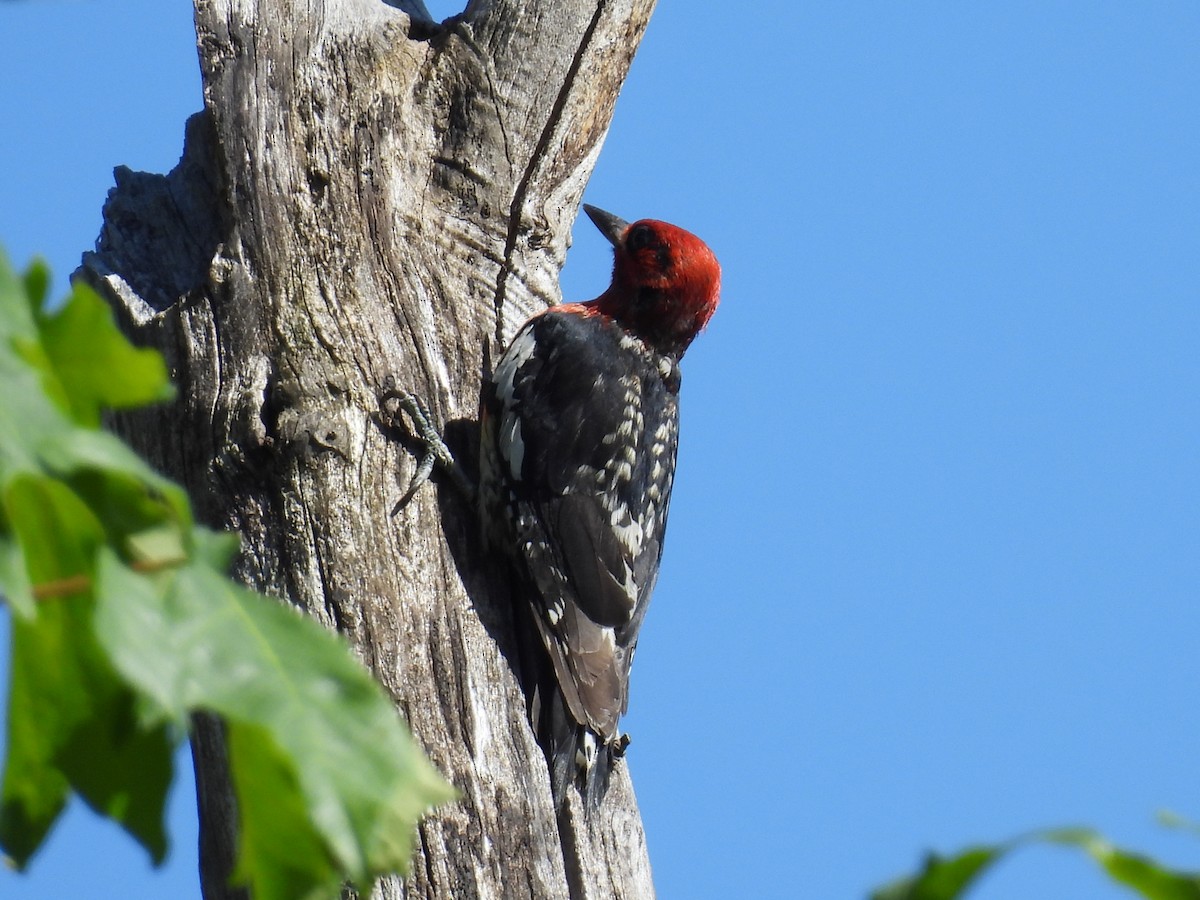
(34, 790)
(157, 546)
(15, 588)
(70, 719)
(17, 301)
(282, 855)
(95, 364)
(943, 878)
(951, 877)
(66, 490)
(121, 495)
(45, 382)
(337, 747)
(57, 533)
(1146, 876)
(25, 407)
(71, 722)
(37, 283)
(109, 474)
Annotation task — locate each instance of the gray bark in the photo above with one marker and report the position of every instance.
(370, 194)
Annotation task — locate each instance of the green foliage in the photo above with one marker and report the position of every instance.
(124, 625)
(949, 878)
(943, 878)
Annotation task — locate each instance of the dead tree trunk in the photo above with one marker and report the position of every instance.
(366, 194)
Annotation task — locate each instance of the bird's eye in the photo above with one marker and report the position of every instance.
(639, 237)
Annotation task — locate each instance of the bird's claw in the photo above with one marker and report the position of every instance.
(435, 452)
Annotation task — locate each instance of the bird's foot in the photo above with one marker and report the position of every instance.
(434, 452)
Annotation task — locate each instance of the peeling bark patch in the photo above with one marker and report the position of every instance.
(161, 232)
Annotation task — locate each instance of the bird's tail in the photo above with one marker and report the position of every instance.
(577, 757)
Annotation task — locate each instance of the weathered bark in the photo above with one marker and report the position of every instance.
(368, 194)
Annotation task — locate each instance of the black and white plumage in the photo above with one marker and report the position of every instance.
(579, 430)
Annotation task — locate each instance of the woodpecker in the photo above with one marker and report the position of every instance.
(578, 433)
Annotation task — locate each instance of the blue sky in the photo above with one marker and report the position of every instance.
(933, 568)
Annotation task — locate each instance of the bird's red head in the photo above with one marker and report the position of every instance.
(666, 282)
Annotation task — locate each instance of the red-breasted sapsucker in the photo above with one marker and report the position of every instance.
(579, 428)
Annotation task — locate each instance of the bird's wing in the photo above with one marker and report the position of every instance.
(585, 449)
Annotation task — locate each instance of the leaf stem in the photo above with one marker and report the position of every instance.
(64, 587)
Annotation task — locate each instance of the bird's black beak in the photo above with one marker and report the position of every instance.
(610, 226)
